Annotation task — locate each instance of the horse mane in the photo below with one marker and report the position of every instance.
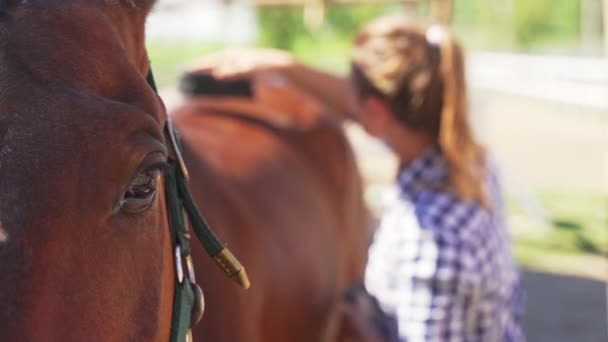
(5, 5)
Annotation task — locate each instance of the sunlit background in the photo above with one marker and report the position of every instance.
(538, 74)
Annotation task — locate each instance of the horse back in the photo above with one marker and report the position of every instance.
(286, 198)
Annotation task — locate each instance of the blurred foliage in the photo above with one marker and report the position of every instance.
(329, 46)
(519, 24)
(545, 26)
(539, 20)
(282, 27)
(513, 25)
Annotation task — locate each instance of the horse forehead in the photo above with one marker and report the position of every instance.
(66, 85)
(76, 49)
(72, 42)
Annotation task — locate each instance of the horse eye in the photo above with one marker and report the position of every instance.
(141, 192)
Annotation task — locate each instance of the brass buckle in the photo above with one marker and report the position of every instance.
(190, 268)
(179, 267)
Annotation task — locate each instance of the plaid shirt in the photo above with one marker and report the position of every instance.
(441, 266)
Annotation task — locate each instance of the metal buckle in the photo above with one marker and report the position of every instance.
(175, 148)
(179, 268)
(190, 268)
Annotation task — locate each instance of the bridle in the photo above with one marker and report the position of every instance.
(188, 303)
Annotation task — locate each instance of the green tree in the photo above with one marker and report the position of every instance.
(280, 26)
(540, 21)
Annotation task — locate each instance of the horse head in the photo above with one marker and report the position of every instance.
(85, 244)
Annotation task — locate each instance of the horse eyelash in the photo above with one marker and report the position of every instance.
(160, 166)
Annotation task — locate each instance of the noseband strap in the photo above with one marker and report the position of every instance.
(188, 300)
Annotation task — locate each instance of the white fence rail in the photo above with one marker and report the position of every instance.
(570, 80)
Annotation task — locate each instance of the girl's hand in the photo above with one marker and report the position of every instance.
(358, 319)
(243, 63)
(278, 94)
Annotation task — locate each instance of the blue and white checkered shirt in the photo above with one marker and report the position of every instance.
(441, 266)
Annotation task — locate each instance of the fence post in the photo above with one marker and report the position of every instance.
(605, 31)
(441, 11)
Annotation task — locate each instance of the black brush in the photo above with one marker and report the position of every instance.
(205, 84)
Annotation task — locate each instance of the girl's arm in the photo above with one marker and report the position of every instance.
(332, 90)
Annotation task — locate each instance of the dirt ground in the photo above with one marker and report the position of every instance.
(565, 309)
(545, 145)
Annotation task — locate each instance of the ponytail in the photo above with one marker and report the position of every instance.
(465, 158)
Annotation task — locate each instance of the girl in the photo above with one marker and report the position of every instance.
(440, 261)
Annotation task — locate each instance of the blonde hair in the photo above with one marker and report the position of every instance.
(419, 70)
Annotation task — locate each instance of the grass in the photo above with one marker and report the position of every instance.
(327, 52)
(169, 59)
(576, 239)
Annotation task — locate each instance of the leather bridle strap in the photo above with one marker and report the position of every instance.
(184, 300)
(188, 298)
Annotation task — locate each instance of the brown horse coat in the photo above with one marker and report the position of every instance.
(77, 123)
(284, 193)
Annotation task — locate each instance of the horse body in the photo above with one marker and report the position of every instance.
(283, 192)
